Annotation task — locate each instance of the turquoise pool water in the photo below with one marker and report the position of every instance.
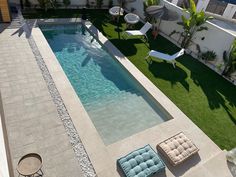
(116, 103)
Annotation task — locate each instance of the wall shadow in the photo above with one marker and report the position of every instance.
(219, 92)
(26, 28)
(232, 168)
(3, 26)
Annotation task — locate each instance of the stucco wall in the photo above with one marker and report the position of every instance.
(215, 38)
(6, 169)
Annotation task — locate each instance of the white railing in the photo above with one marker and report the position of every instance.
(225, 10)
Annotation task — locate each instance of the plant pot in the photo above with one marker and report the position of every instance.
(155, 34)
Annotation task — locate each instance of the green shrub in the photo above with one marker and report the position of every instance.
(66, 3)
(230, 60)
(27, 3)
(192, 23)
(208, 56)
(110, 3)
(99, 3)
(146, 4)
(46, 4)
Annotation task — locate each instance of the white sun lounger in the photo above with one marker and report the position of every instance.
(141, 32)
(163, 56)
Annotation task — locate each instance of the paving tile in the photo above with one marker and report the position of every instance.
(32, 120)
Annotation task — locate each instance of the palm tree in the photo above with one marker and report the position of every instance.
(193, 23)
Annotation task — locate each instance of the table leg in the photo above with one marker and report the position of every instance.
(40, 172)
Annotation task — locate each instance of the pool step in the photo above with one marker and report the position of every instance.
(122, 106)
(123, 116)
(100, 100)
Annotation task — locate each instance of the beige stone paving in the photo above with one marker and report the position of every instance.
(32, 121)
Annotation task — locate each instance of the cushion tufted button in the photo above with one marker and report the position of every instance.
(123, 160)
(135, 153)
(153, 168)
(141, 163)
(141, 151)
(139, 159)
(132, 162)
(146, 156)
(137, 169)
(178, 148)
(141, 174)
(127, 166)
(185, 145)
(132, 172)
(150, 163)
(128, 157)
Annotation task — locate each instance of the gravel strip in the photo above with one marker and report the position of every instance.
(75, 141)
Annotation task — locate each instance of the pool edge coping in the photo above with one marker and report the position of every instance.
(75, 108)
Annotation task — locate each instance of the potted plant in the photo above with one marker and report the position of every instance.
(150, 18)
(99, 3)
(155, 32)
(230, 60)
(66, 3)
(208, 55)
(191, 24)
(27, 4)
(110, 4)
(87, 4)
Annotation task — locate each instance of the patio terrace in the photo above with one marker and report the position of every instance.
(203, 95)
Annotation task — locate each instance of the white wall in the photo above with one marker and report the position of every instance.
(216, 38)
(4, 153)
(202, 5)
(138, 5)
(4, 171)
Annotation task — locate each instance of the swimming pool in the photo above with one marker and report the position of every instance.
(229, 1)
(116, 103)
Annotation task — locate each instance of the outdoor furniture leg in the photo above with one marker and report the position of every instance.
(40, 172)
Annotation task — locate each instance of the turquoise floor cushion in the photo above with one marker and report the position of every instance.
(142, 162)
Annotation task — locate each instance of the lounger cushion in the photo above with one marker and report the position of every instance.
(142, 162)
(177, 148)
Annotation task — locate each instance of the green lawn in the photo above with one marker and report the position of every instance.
(204, 96)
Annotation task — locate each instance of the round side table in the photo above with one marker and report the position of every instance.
(131, 19)
(30, 165)
(114, 11)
